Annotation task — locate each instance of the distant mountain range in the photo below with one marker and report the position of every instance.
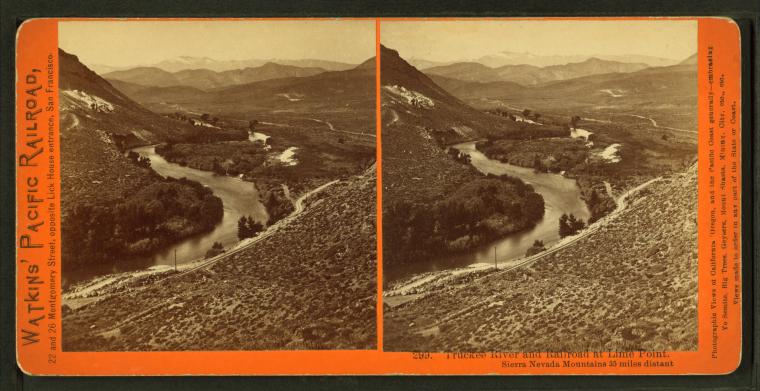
(182, 63)
(649, 89)
(513, 58)
(530, 74)
(208, 79)
(324, 92)
(98, 104)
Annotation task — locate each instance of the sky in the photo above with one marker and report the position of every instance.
(131, 43)
(450, 41)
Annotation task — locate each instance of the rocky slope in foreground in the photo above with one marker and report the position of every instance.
(310, 285)
(631, 285)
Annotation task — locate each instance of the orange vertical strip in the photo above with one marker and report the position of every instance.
(379, 170)
(719, 70)
(38, 253)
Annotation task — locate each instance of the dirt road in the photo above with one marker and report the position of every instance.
(333, 129)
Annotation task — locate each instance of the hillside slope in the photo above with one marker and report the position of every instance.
(310, 285)
(631, 285)
(343, 98)
(435, 201)
(109, 200)
(95, 101)
(661, 91)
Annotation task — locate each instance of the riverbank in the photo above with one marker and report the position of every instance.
(418, 286)
(239, 198)
(575, 158)
(308, 284)
(146, 214)
(265, 189)
(98, 288)
(626, 283)
(560, 195)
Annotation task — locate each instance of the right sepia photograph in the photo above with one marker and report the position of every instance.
(539, 188)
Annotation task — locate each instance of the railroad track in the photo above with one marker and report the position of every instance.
(299, 207)
(622, 204)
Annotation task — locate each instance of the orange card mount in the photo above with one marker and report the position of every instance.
(309, 182)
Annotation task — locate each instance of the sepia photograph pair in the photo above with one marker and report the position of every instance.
(494, 185)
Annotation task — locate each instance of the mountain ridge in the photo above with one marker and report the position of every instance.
(532, 75)
(514, 58)
(207, 79)
(181, 63)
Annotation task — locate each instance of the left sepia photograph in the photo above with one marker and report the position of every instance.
(218, 185)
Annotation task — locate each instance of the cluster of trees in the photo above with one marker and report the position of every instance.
(223, 159)
(574, 121)
(125, 141)
(139, 224)
(478, 212)
(570, 225)
(538, 165)
(277, 204)
(248, 227)
(213, 135)
(215, 250)
(459, 157)
(535, 133)
(593, 202)
(502, 113)
(542, 155)
(178, 116)
(205, 117)
(219, 168)
(138, 159)
(446, 137)
(183, 117)
(537, 247)
(599, 206)
(527, 115)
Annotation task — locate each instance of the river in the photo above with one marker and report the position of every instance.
(561, 195)
(238, 197)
